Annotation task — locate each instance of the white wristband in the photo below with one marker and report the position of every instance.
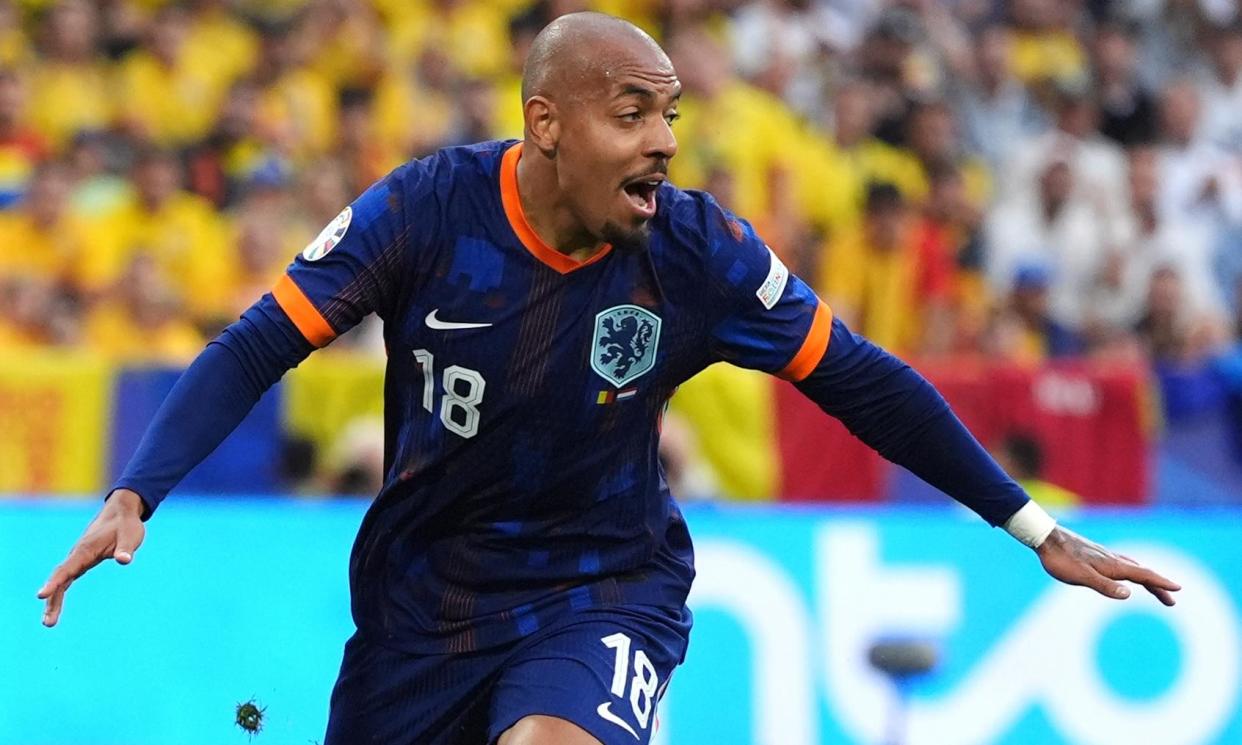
(1030, 524)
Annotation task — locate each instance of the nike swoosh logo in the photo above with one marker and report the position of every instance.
(436, 323)
(606, 714)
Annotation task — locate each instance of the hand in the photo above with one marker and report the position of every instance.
(116, 532)
(1075, 560)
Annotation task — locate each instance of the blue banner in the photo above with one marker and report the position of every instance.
(229, 601)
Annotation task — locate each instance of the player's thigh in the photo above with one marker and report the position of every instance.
(603, 671)
(392, 697)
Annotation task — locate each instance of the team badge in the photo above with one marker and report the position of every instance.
(625, 342)
(329, 236)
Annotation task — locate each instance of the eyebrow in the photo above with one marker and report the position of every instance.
(632, 89)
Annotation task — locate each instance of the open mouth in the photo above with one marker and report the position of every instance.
(641, 193)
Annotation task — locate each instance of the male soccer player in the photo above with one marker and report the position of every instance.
(521, 577)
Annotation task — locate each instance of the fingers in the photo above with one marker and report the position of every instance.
(70, 569)
(51, 612)
(1128, 569)
(82, 557)
(54, 589)
(112, 534)
(1162, 595)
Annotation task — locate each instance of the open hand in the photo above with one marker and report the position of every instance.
(1075, 560)
(115, 533)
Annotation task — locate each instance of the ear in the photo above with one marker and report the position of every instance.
(543, 126)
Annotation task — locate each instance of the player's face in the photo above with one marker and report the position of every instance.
(614, 150)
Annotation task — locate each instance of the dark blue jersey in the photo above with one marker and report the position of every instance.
(524, 391)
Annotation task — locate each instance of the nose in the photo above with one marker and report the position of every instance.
(661, 143)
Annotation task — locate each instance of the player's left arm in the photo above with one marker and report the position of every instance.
(892, 408)
(772, 321)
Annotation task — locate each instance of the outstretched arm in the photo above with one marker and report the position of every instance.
(355, 266)
(892, 408)
(207, 403)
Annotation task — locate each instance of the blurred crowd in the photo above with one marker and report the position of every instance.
(1023, 179)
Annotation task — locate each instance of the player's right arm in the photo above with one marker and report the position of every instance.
(353, 268)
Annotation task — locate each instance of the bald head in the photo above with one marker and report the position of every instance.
(577, 53)
(599, 98)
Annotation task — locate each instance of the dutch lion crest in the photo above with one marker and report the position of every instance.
(624, 347)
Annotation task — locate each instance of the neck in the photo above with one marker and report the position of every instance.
(548, 215)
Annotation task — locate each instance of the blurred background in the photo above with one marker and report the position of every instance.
(1037, 202)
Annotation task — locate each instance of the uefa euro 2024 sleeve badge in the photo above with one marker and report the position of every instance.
(625, 343)
(331, 235)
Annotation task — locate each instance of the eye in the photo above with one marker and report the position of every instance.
(670, 118)
(631, 116)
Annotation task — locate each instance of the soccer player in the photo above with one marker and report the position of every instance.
(521, 577)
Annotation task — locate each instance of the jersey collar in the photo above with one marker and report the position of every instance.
(521, 228)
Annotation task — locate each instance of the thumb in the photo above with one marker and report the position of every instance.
(127, 542)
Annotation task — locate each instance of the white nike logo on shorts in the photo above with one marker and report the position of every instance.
(606, 714)
(436, 323)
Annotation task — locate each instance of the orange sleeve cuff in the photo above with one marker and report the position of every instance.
(813, 346)
(312, 325)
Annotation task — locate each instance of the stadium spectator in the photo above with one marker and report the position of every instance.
(790, 128)
(1158, 237)
(1097, 165)
(948, 232)
(69, 90)
(1023, 330)
(883, 280)
(932, 138)
(1022, 456)
(780, 46)
(235, 150)
(42, 238)
(16, 50)
(140, 319)
(1220, 85)
(161, 95)
(414, 103)
(297, 104)
(1199, 183)
(1060, 229)
(887, 60)
(1045, 47)
(24, 305)
(348, 39)
(1172, 332)
(98, 188)
(265, 232)
(996, 109)
(219, 42)
(182, 234)
(122, 26)
(1168, 37)
(367, 157)
(866, 158)
(472, 34)
(21, 147)
(762, 131)
(1127, 108)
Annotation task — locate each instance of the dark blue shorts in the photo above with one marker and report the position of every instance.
(604, 670)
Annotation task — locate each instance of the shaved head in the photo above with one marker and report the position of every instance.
(599, 97)
(575, 54)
